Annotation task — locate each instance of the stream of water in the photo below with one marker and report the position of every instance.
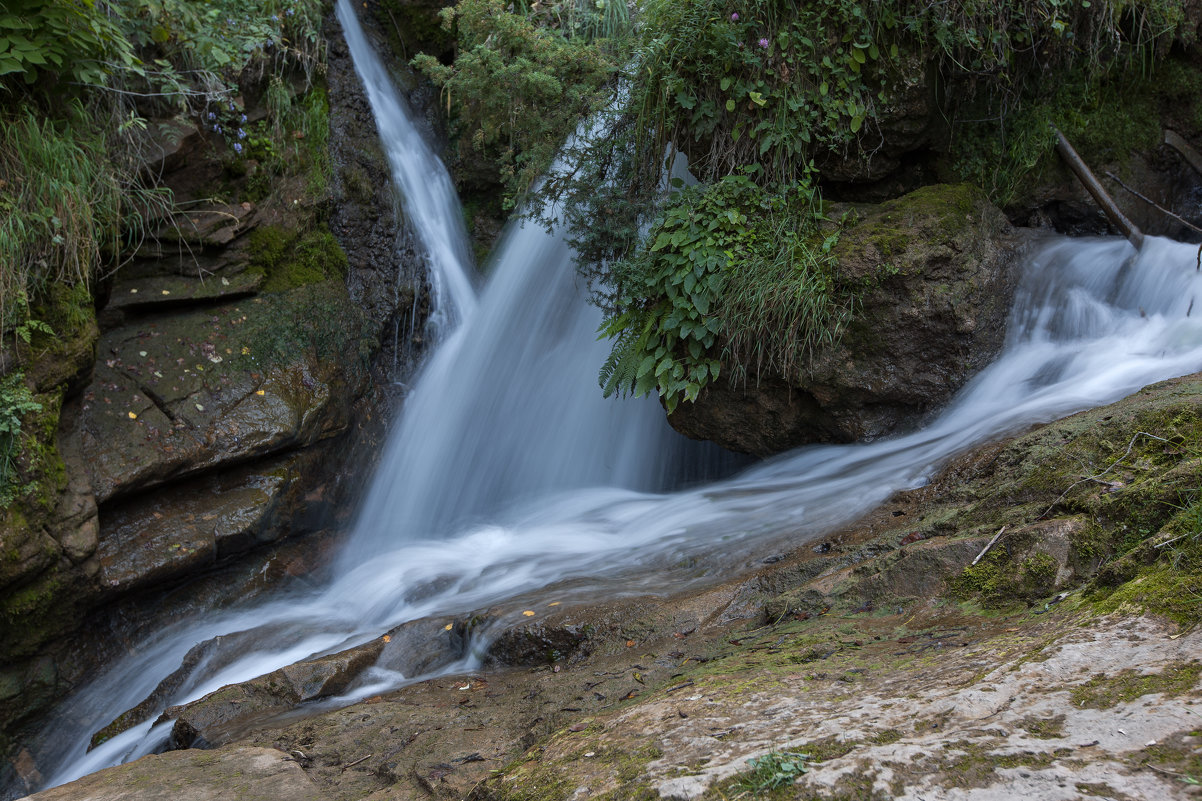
(508, 474)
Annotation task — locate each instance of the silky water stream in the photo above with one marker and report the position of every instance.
(508, 473)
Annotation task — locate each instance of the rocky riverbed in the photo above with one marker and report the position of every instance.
(1063, 663)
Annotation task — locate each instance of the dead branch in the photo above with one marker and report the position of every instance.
(1154, 204)
(1187, 151)
(1097, 192)
(985, 550)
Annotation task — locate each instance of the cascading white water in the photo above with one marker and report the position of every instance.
(508, 475)
(427, 194)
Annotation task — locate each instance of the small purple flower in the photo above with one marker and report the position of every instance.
(241, 134)
(216, 129)
(268, 43)
(237, 147)
(764, 43)
(290, 12)
(275, 17)
(243, 118)
(734, 17)
(212, 116)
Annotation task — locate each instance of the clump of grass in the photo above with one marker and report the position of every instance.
(781, 309)
(580, 19)
(60, 203)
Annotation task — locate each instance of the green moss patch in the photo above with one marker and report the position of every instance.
(290, 260)
(1044, 728)
(1103, 692)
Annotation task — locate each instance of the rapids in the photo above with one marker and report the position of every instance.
(508, 475)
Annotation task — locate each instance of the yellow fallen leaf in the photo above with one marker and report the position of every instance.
(448, 627)
(387, 638)
(166, 292)
(245, 350)
(528, 613)
(133, 416)
(553, 603)
(260, 392)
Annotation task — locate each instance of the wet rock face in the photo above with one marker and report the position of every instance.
(935, 271)
(386, 276)
(220, 716)
(212, 407)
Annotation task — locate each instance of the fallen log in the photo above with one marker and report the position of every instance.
(1100, 196)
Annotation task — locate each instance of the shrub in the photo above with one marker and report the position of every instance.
(729, 269)
(517, 89)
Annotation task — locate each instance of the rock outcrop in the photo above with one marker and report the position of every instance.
(934, 272)
(210, 403)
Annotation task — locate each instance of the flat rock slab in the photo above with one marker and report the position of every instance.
(187, 527)
(247, 774)
(184, 394)
(169, 291)
(222, 715)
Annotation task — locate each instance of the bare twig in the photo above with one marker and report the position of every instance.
(1154, 204)
(1114, 464)
(357, 761)
(1170, 542)
(985, 550)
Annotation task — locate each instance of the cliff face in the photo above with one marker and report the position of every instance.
(220, 398)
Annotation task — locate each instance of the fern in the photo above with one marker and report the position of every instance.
(620, 372)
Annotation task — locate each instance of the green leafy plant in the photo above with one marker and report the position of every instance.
(71, 40)
(16, 401)
(773, 770)
(728, 268)
(773, 83)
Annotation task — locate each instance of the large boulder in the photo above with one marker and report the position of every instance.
(934, 271)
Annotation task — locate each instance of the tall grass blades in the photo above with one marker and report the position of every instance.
(781, 307)
(60, 204)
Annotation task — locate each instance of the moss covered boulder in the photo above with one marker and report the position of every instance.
(934, 272)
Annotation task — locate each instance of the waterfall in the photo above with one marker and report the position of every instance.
(508, 474)
(428, 197)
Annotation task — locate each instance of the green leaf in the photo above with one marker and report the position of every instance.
(730, 105)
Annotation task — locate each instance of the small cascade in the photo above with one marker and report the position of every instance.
(509, 474)
(428, 196)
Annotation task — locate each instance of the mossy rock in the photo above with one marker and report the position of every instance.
(289, 260)
(933, 274)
